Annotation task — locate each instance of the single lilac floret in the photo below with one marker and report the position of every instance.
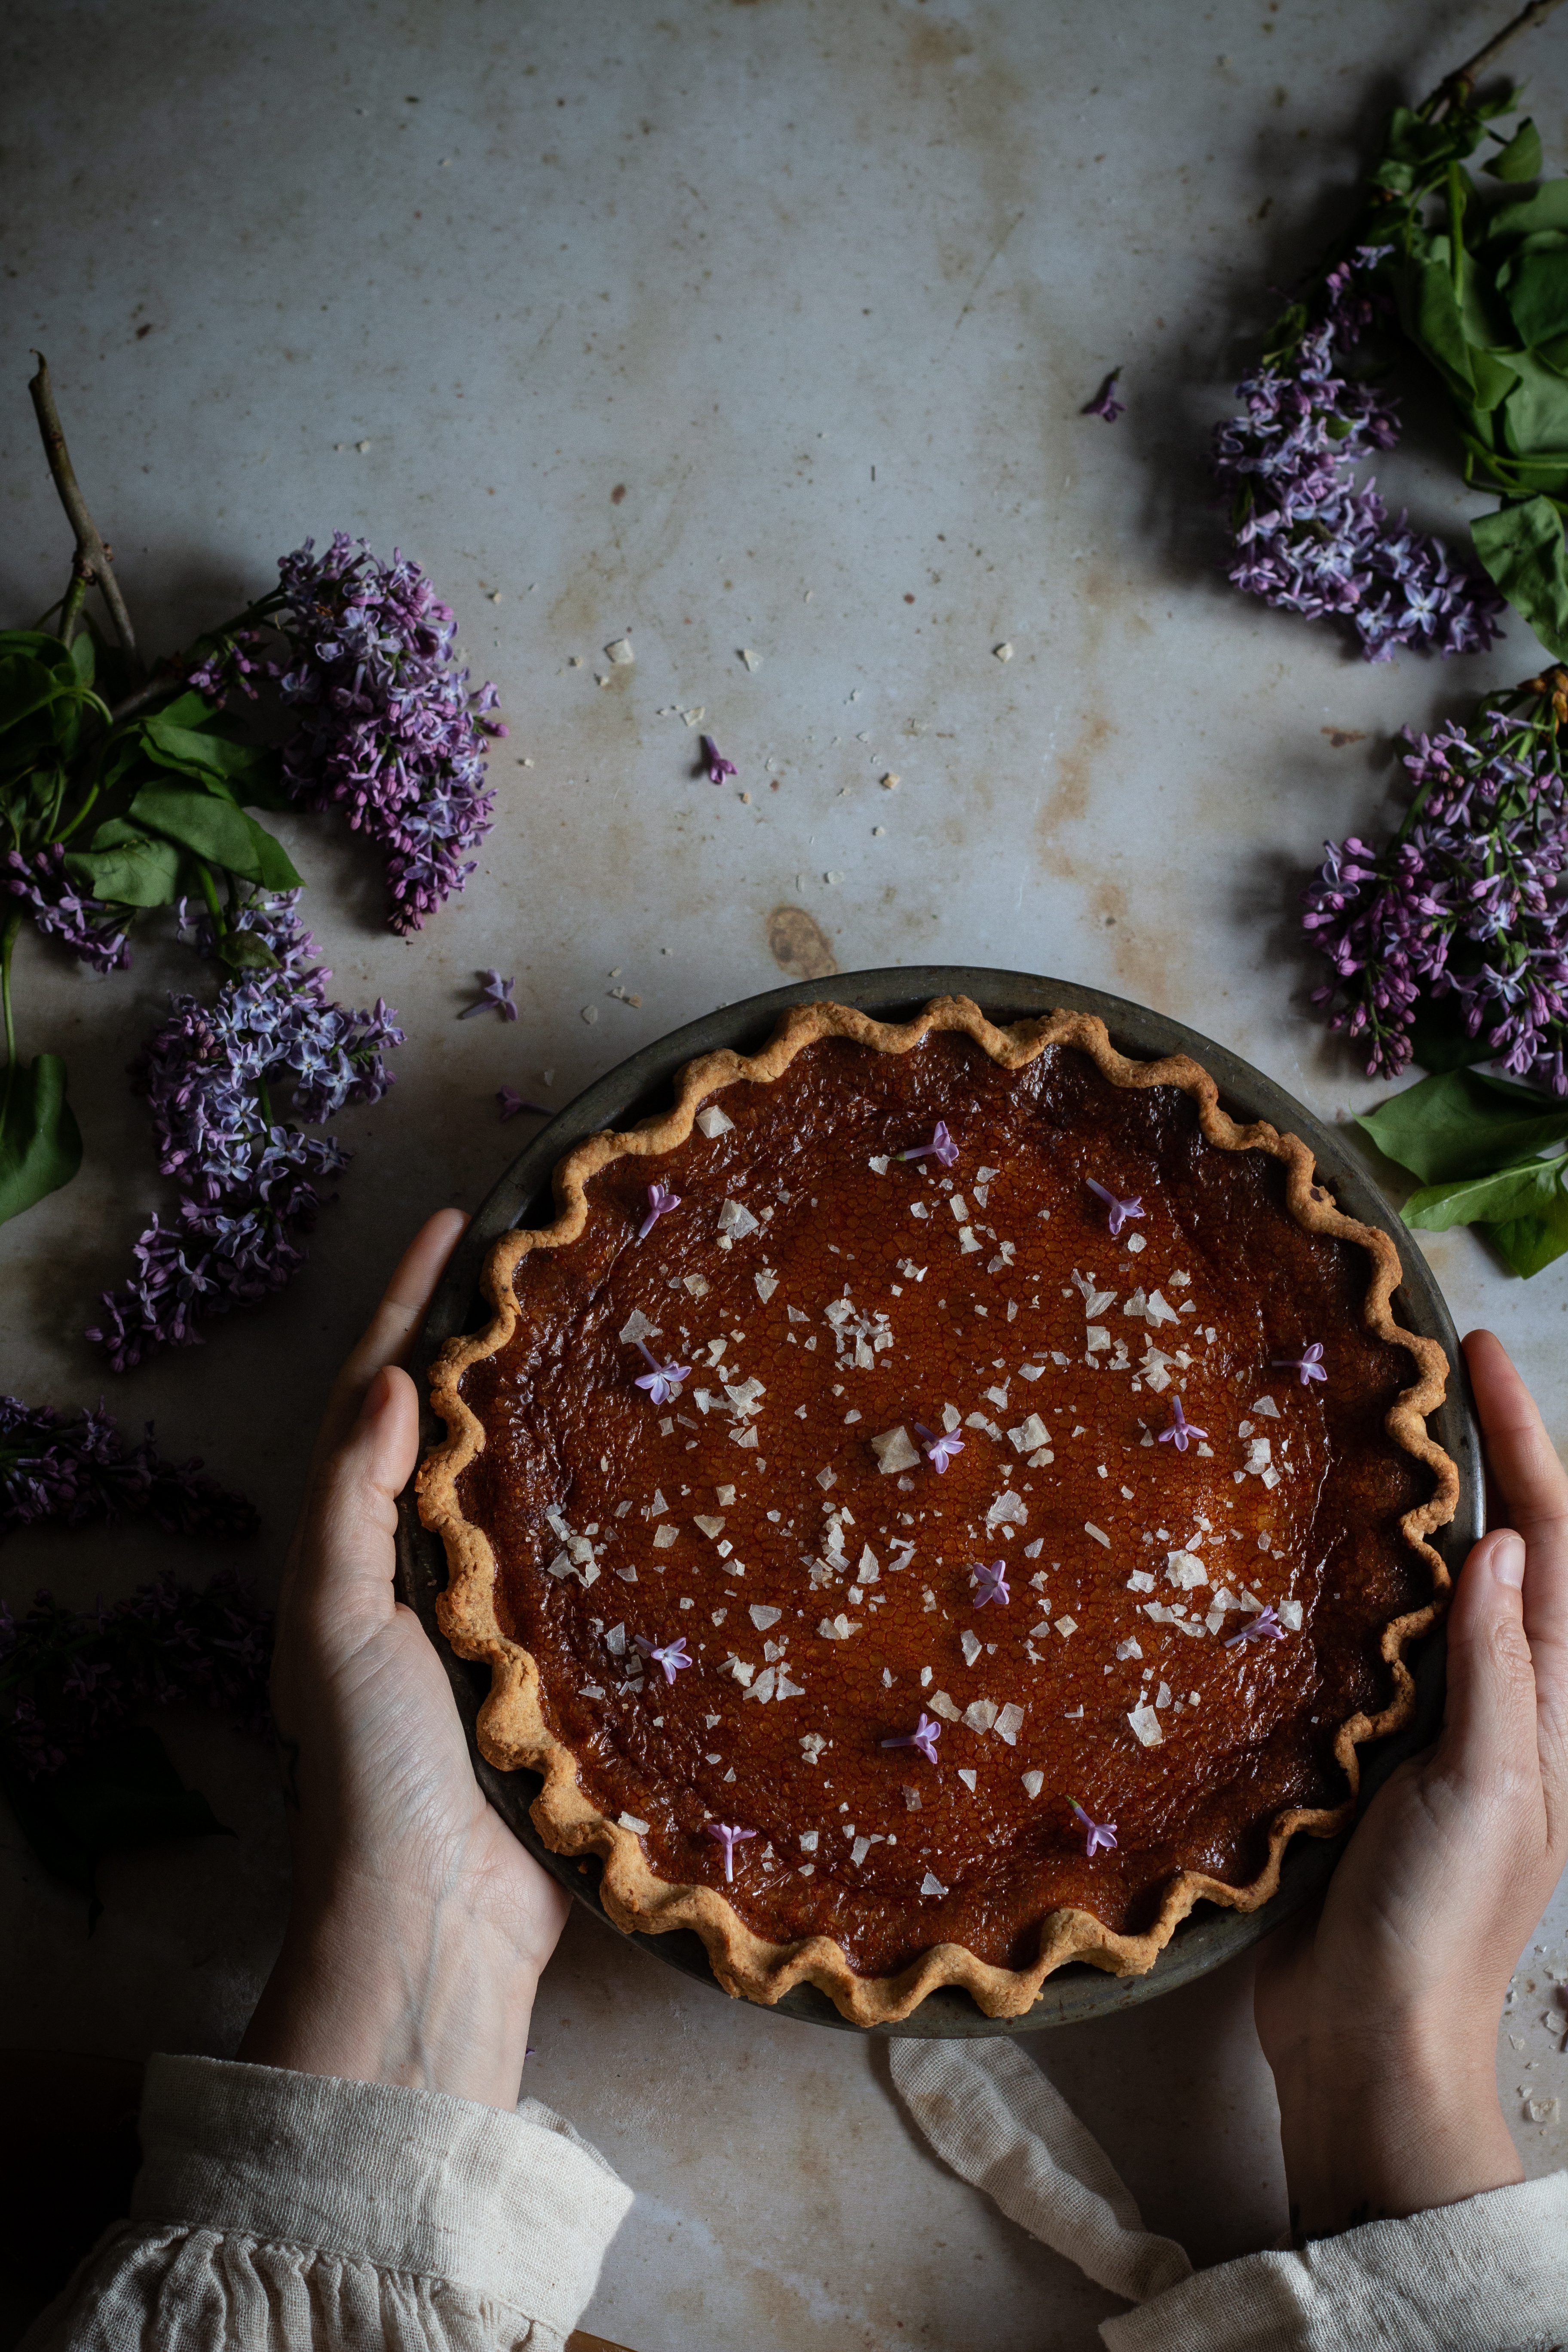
(924, 1737)
(991, 1584)
(660, 1200)
(662, 1380)
(510, 1102)
(1181, 1429)
(713, 763)
(1101, 1834)
(672, 1657)
(728, 1838)
(496, 991)
(1263, 1627)
(1309, 1363)
(942, 1145)
(1119, 1210)
(937, 1451)
(1105, 403)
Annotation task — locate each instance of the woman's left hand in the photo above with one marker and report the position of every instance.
(418, 1926)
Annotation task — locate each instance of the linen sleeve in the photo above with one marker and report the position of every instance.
(1487, 2276)
(294, 2211)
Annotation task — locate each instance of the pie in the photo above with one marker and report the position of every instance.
(936, 1504)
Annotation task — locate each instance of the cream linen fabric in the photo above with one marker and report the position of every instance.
(276, 2211)
(1489, 2276)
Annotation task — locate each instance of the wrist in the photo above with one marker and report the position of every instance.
(374, 1987)
(1376, 2125)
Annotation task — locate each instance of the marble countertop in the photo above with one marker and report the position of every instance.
(760, 327)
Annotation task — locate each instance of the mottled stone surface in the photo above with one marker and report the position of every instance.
(724, 327)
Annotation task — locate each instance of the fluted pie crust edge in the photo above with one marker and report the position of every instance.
(512, 1730)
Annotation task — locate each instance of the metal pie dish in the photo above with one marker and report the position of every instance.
(644, 1084)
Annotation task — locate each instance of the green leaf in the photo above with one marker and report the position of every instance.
(84, 657)
(123, 1794)
(1521, 159)
(1429, 313)
(1535, 410)
(127, 867)
(1459, 1126)
(1547, 208)
(40, 1142)
(1521, 547)
(1506, 1193)
(1533, 282)
(243, 951)
(1531, 1242)
(211, 825)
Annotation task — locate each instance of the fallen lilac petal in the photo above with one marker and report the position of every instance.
(660, 1200)
(940, 1451)
(942, 1145)
(1120, 1211)
(663, 1381)
(1181, 1429)
(728, 1838)
(1105, 403)
(924, 1737)
(1263, 1627)
(672, 1657)
(510, 1102)
(1309, 1364)
(496, 991)
(1101, 1834)
(713, 763)
(991, 1584)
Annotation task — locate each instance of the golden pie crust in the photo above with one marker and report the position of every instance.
(513, 1727)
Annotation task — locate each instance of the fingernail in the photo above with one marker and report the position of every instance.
(1508, 1558)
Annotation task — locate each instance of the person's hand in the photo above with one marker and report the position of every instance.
(418, 1925)
(1379, 2014)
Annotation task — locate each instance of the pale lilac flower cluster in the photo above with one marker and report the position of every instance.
(69, 1679)
(390, 729)
(1303, 536)
(1468, 900)
(80, 1469)
(219, 1076)
(95, 932)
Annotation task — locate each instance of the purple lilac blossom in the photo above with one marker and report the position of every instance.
(924, 1737)
(941, 1146)
(1099, 1833)
(69, 1679)
(1105, 403)
(1467, 901)
(1263, 1627)
(89, 929)
(1309, 1364)
(672, 1657)
(81, 1469)
(1303, 536)
(390, 729)
(660, 1200)
(510, 1102)
(991, 1584)
(728, 1838)
(713, 764)
(219, 1076)
(662, 1381)
(1120, 1210)
(937, 1451)
(1181, 1430)
(496, 992)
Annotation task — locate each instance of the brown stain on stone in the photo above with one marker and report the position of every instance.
(799, 945)
(1339, 736)
(1070, 794)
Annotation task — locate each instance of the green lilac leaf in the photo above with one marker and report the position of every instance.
(243, 951)
(1534, 285)
(1457, 1127)
(1522, 549)
(127, 867)
(84, 657)
(1535, 410)
(1506, 1193)
(211, 825)
(1547, 208)
(1528, 1243)
(1522, 158)
(40, 1142)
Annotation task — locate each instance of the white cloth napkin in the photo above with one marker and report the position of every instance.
(990, 2114)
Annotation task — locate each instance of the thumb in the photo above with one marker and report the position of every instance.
(1488, 1742)
(343, 1557)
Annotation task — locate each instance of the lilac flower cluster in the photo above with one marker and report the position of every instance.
(67, 1680)
(1303, 537)
(1467, 901)
(389, 729)
(218, 1076)
(80, 1469)
(95, 932)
